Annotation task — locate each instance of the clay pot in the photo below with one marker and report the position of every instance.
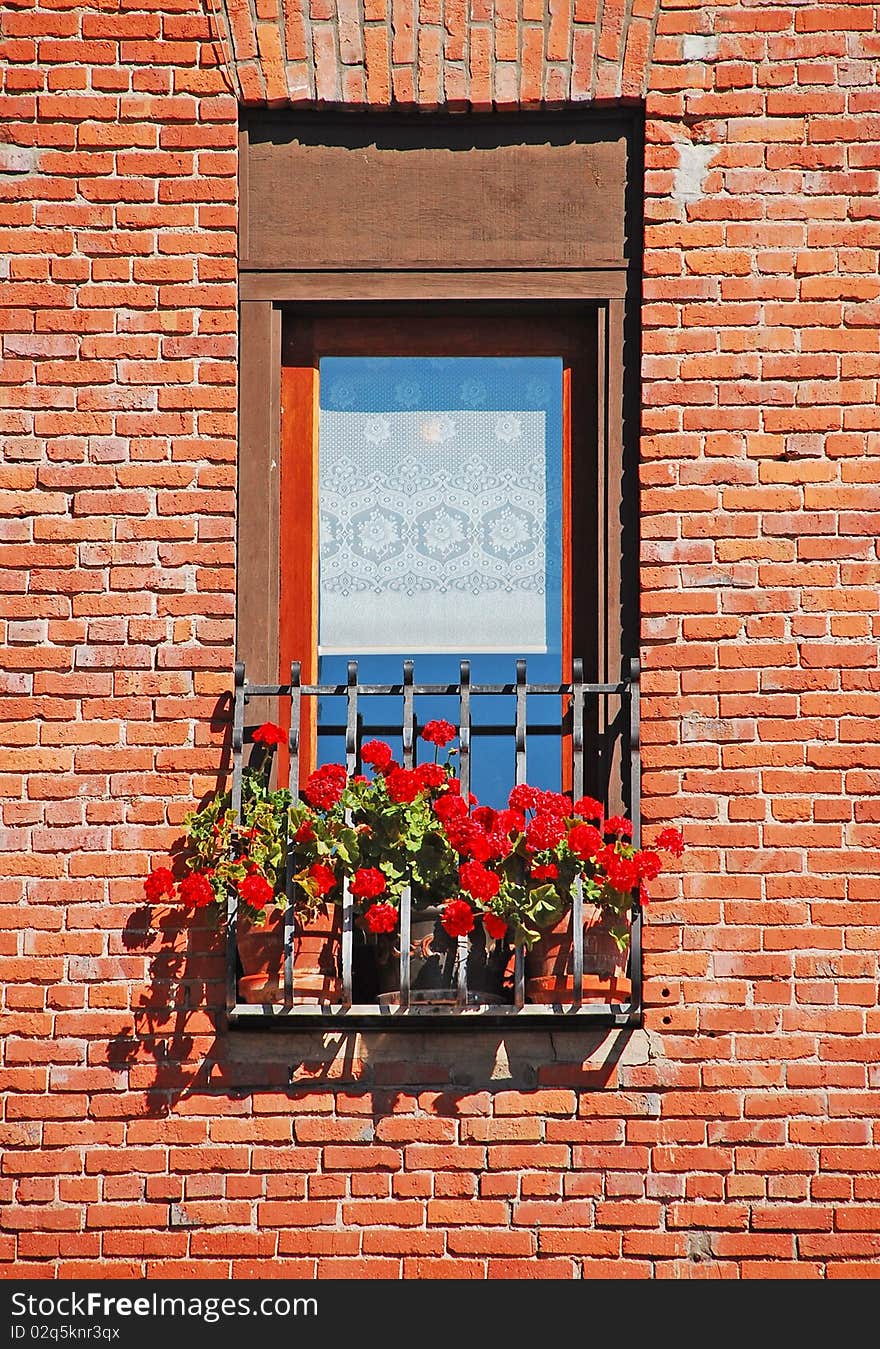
(549, 964)
(433, 969)
(316, 956)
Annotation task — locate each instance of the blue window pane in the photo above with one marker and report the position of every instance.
(440, 485)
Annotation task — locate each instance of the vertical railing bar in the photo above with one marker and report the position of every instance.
(405, 944)
(293, 784)
(577, 941)
(464, 740)
(231, 893)
(635, 796)
(294, 733)
(520, 734)
(406, 894)
(351, 715)
(577, 783)
(351, 752)
(577, 728)
(408, 715)
(520, 771)
(238, 737)
(519, 976)
(464, 727)
(461, 964)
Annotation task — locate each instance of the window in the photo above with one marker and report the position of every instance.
(431, 479)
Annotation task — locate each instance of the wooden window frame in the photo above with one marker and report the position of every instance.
(260, 478)
(603, 287)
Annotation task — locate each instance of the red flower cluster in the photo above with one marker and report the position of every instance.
(430, 775)
(590, 808)
(671, 841)
(622, 872)
(269, 734)
(585, 841)
(457, 918)
(450, 806)
(547, 871)
(468, 839)
(544, 831)
(495, 926)
(256, 891)
(368, 882)
(325, 786)
(553, 803)
(381, 918)
(478, 880)
(648, 864)
(376, 753)
(403, 785)
(197, 890)
(159, 882)
(620, 825)
(324, 877)
(523, 797)
(439, 733)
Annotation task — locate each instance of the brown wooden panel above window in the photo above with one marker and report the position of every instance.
(516, 193)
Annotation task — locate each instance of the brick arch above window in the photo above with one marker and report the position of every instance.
(468, 55)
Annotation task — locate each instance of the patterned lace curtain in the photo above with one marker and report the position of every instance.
(439, 485)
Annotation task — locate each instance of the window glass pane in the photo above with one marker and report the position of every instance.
(440, 500)
(440, 489)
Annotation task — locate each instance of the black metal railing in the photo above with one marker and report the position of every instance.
(599, 726)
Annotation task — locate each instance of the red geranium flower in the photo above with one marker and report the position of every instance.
(671, 840)
(495, 926)
(523, 797)
(468, 839)
(619, 824)
(544, 831)
(622, 872)
(649, 865)
(269, 734)
(449, 807)
(553, 803)
(511, 821)
(197, 890)
(381, 918)
(256, 891)
(430, 774)
(159, 882)
(478, 880)
(368, 882)
(323, 876)
(439, 733)
(590, 808)
(457, 918)
(376, 753)
(403, 785)
(548, 871)
(585, 841)
(325, 786)
(305, 833)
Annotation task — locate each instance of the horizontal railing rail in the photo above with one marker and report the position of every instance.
(585, 723)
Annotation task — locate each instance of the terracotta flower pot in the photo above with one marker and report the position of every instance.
(433, 964)
(316, 951)
(549, 965)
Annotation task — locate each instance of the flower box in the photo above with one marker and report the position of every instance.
(476, 882)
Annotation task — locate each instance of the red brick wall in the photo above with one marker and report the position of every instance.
(737, 1134)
